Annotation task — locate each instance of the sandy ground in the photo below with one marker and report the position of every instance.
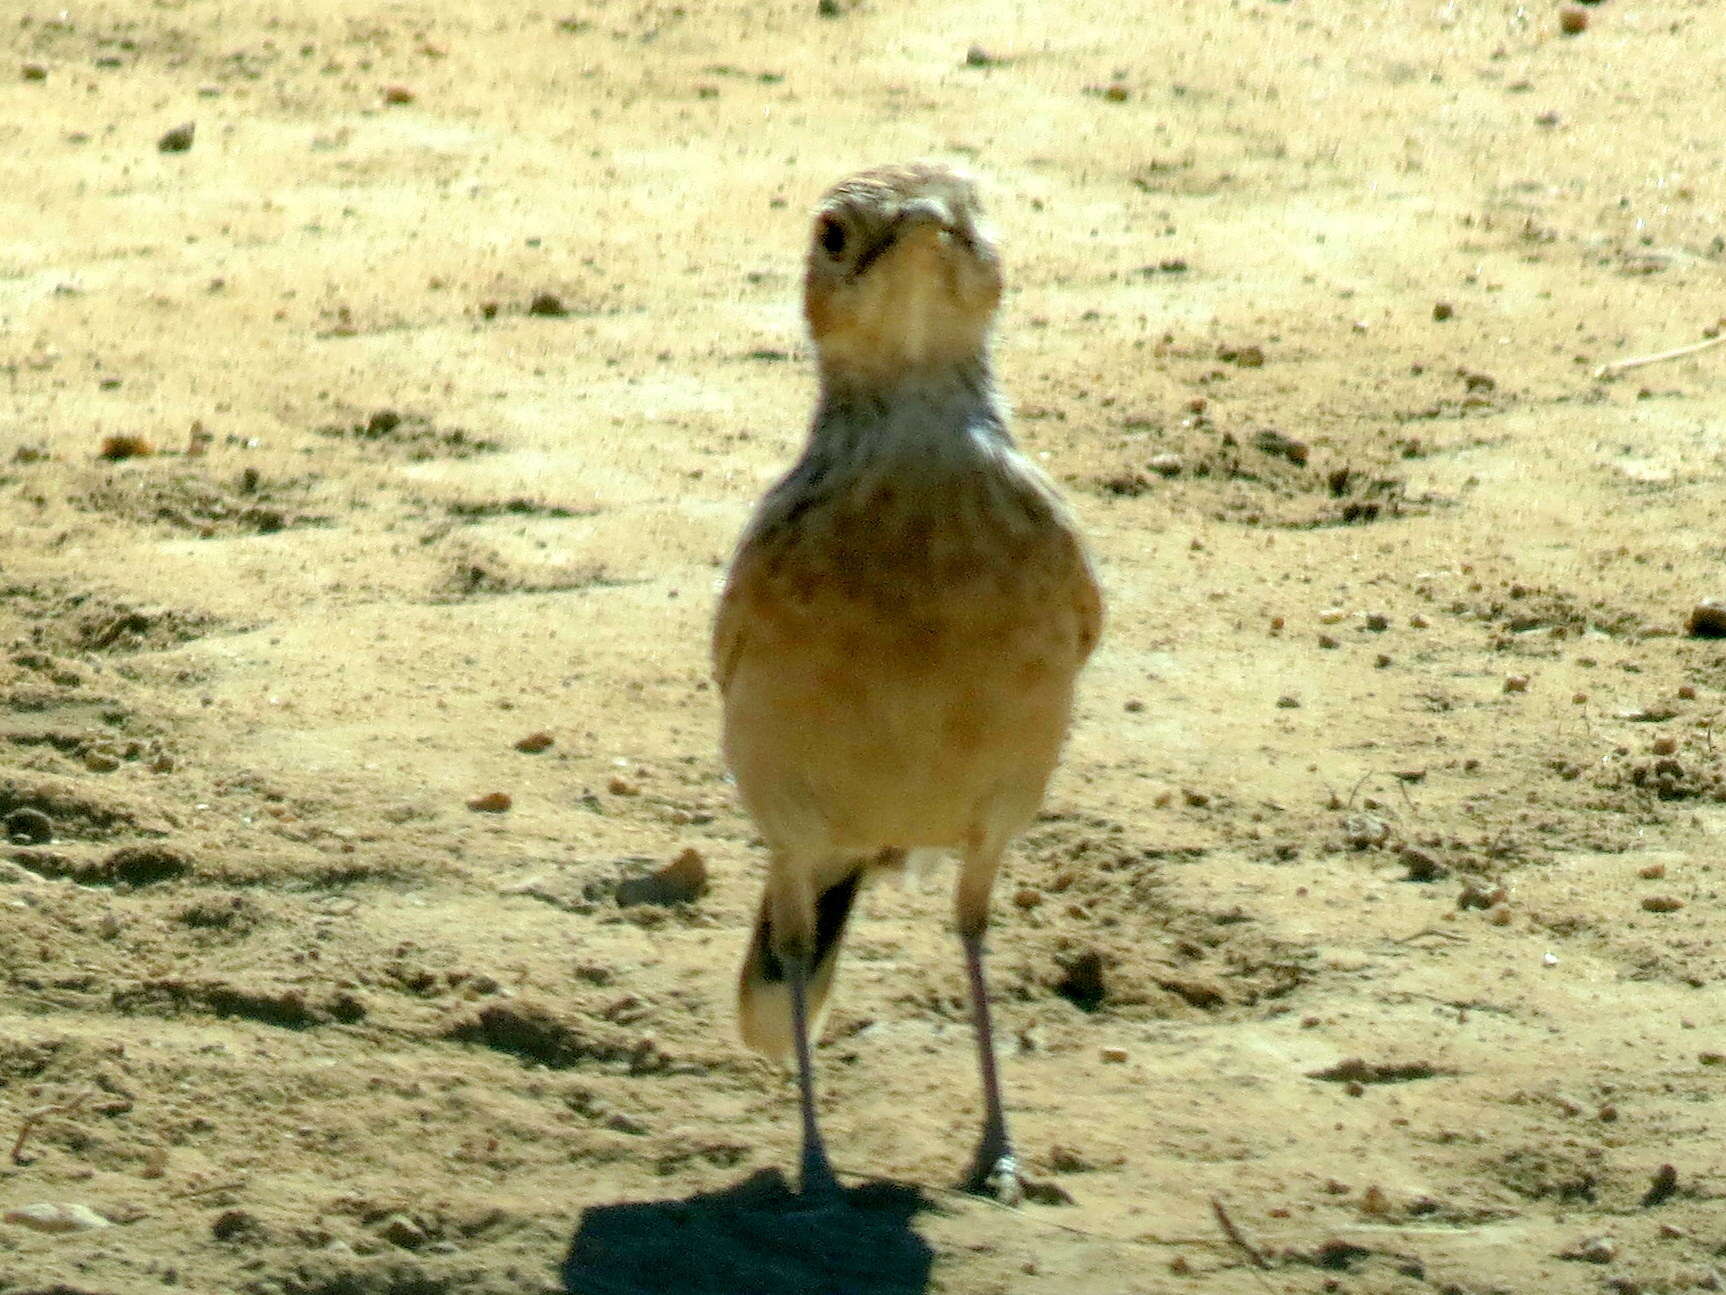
(1379, 898)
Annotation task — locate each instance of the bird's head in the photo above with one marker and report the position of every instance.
(902, 279)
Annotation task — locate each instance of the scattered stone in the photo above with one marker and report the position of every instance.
(179, 139)
(1592, 1250)
(141, 865)
(682, 881)
(1418, 622)
(101, 761)
(1686, 692)
(1377, 622)
(1663, 1185)
(1044, 1192)
(534, 743)
(1477, 895)
(1573, 21)
(1498, 915)
(621, 786)
(1664, 746)
(34, 72)
(1133, 706)
(493, 802)
(1515, 683)
(1166, 465)
(1027, 898)
(1113, 1056)
(1332, 616)
(53, 1217)
(1268, 440)
(400, 1230)
(1365, 831)
(1116, 93)
(1421, 865)
(1442, 310)
(398, 94)
(1711, 1058)
(1707, 619)
(29, 827)
(1662, 904)
(1326, 642)
(236, 1225)
(118, 448)
(547, 305)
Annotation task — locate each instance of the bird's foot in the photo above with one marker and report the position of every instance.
(997, 1177)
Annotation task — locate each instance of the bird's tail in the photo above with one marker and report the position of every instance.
(764, 988)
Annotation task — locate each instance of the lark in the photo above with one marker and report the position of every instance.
(903, 622)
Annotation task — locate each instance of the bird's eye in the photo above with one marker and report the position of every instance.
(831, 235)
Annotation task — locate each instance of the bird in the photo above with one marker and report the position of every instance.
(900, 630)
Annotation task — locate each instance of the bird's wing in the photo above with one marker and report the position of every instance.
(730, 626)
(1088, 603)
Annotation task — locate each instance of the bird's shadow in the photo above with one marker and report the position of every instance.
(756, 1237)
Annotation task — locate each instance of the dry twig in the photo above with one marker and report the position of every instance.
(36, 1116)
(1676, 353)
(1246, 1247)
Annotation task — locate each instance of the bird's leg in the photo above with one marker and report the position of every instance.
(994, 1169)
(818, 1183)
(791, 903)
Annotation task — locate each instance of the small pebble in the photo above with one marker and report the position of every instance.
(1515, 683)
(400, 1230)
(117, 448)
(621, 786)
(1418, 622)
(493, 802)
(1686, 692)
(35, 72)
(1133, 707)
(1594, 1250)
(1165, 465)
(1707, 619)
(534, 743)
(1113, 1056)
(1332, 616)
(398, 94)
(1664, 745)
(1573, 22)
(1326, 641)
(1377, 622)
(56, 1218)
(547, 305)
(1442, 310)
(29, 827)
(179, 139)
